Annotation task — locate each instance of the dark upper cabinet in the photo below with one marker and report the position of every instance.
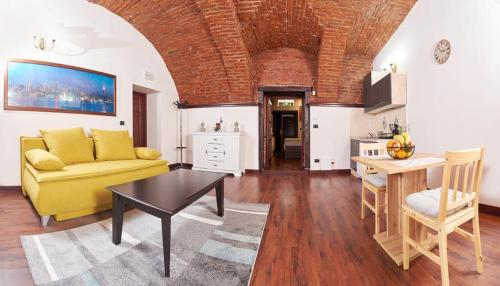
(384, 91)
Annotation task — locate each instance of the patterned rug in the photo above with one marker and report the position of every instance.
(205, 249)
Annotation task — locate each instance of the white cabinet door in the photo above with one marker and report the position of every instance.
(231, 145)
(200, 157)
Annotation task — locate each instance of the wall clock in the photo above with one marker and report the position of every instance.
(442, 51)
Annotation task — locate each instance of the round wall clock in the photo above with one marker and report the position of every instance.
(442, 51)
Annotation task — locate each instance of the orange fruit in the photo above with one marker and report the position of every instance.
(401, 154)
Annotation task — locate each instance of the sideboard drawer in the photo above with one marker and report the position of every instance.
(216, 165)
(219, 152)
(214, 148)
(216, 156)
(215, 140)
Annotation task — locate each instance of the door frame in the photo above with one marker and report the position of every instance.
(143, 123)
(305, 121)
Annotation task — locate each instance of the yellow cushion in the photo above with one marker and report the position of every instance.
(113, 145)
(147, 153)
(70, 145)
(43, 160)
(94, 169)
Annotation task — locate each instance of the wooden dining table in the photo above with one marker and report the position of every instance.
(404, 177)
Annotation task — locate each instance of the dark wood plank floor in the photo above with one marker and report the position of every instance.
(279, 162)
(313, 236)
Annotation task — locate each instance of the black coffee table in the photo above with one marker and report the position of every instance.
(163, 196)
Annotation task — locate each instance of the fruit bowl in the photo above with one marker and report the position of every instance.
(401, 153)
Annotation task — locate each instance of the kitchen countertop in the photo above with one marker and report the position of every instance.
(368, 138)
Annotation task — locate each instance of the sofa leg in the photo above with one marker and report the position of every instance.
(45, 220)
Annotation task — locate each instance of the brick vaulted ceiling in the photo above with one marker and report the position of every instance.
(221, 51)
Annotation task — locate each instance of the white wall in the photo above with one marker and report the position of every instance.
(331, 140)
(247, 117)
(89, 36)
(454, 105)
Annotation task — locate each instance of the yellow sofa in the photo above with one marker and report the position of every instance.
(79, 189)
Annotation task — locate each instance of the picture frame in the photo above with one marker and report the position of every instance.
(31, 85)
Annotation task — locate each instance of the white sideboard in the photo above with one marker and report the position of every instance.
(219, 152)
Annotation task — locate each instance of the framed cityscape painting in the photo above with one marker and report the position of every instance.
(42, 86)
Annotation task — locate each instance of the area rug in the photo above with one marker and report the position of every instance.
(205, 249)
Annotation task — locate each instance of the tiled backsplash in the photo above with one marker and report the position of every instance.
(362, 123)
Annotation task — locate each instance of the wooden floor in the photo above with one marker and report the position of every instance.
(313, 236)
(279, 162)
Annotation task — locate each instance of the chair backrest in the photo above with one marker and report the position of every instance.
(372, 149)
(463, 171)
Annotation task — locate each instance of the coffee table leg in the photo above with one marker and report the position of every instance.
(165, 230)
(118, 210)
(219, 191)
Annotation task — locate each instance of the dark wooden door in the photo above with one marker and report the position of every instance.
(140, 115)
(290, 125)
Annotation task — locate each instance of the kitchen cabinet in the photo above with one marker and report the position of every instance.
(384, 91)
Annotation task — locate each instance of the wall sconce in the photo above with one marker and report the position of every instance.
(394, 67)
(43, 43)
(313, 92)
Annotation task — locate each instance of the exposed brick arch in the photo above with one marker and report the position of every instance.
(219, 51)
(280, 23)
(223, 24)
(285, 67)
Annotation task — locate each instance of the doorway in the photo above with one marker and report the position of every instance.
(140, 117)
(284, 129)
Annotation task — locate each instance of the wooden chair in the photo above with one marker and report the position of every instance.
(446, 208)
(373, 182)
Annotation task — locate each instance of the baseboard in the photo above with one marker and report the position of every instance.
(284, 172)
(487, 209)
(334, 171)
(297, 172)
(10, 188)
(176, 166)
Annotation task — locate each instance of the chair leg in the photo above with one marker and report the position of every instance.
(363, 198)
(443, 256)
(385, 201)
(386, 214)
(477, 244)
(377, 212)
(406, 245)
